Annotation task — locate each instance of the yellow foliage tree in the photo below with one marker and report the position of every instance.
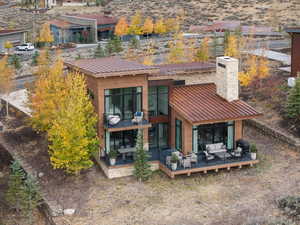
(8, 45)
(232, 47)
(160, 27)
(135, 27)
(190, 50)
(263, 70)
(148, 58)
(176, 54)
(45, 35)
(121, 27)
(148, 26)
(202, 54)
(47, 96)
(43, 63)
(244, 79)
(73, 136)
(6, 78)
(172, 25)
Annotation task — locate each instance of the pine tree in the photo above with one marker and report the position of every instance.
(31, 198)
(109, 48)
(134, 43)
(35, 58)
(117, 44)
(73, 136)
(99, 52)
(142, 168)
(15, 61)
(293, 102)
(15, 191)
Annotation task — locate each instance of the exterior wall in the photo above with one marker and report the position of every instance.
(118, 82)
(15, 39)
(84, 22)
(295, 54)
(196, 78)
(187, 133)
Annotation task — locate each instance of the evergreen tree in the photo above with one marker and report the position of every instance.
(109, 48)
(32, 198)
(35, 58)
(15, 192)
(99, 52)
(134, 43)
(142, 168)
(293, 102)
(15, 61)
(117, 44)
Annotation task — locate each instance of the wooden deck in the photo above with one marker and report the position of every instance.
(204, 169)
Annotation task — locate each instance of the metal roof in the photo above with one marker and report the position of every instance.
(200, 104)
(292, 29)
(110, 66)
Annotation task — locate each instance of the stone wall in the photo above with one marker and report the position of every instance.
(276, 134)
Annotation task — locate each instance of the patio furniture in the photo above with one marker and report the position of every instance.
(168, 160)
(222, 155)
(123, 151)
(113, 119)
(237, 153)
(138, 117)
(215, 148)
(193, 157)
(208, 156)
(186, 163)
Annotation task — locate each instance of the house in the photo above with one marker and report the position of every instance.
(187, 108)
(52, 3)
(16, 37)
(84, 28)
(295, 53)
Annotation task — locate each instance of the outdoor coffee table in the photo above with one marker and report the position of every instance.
(222, 155)
(124, 151)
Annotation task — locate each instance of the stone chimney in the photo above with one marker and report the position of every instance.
(227, 78)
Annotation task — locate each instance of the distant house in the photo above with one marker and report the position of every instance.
(295, 49)
(192, 110)
(84, 28)
(16, 37)
(52, 3)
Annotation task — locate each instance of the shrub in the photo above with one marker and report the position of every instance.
(290, 205)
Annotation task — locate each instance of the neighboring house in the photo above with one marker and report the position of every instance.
(186, 107)
(16, 37)
(85, 28)
(295, 50)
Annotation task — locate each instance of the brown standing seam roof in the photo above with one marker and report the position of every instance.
(170, 69)
(101, 19)
(201, 104)
(110, 66)
(63, 23)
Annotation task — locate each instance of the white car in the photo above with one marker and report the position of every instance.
(25, 47)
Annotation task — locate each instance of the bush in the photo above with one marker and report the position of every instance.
(291, 206)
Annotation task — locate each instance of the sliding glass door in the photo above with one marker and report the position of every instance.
(213, 133)
(158, 136)
(178, 134)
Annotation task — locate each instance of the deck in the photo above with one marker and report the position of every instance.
(204, 169)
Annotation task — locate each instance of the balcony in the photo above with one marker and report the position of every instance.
(117, 122)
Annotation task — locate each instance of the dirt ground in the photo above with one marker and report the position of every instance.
(244, 196)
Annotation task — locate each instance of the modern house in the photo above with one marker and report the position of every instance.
(52, 3)
(189, 109)
(84, 28)
(16, 37)
(295, 53)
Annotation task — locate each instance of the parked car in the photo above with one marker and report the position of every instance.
(25, 47)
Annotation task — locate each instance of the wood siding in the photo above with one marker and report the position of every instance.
(295, 54)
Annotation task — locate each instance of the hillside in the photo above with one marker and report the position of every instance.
(284, 12)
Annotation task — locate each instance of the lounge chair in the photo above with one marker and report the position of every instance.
(138, 117)
(113, 119)
(208, 156)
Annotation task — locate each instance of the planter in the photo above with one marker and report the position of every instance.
(112, 162)
(174, 166)
(253, 155)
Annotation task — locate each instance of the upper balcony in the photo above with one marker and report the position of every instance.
(118, 122)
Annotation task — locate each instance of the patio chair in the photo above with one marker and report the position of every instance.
(113, 119)
(186, 163)
(138, 117)
(168, 160)
(238, 152)
(208, 156)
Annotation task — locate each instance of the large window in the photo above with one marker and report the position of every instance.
(178, 134)
(120, 139)
(158, 101)
(123, 101)
(158, 135)
(213, 133)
